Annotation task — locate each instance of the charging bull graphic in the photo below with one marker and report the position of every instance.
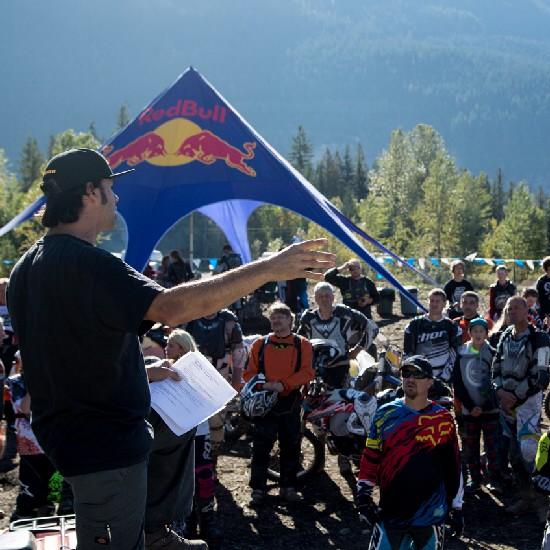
(147, 146)
(206, 147)
(178, 142)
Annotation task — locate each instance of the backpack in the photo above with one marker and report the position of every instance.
(287, 403)
(261, 353)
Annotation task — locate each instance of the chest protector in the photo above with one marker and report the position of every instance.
(209, 334)
(329, 330)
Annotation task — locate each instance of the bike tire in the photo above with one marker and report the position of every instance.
(313, 467)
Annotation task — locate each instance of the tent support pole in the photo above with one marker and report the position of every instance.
(191, 240)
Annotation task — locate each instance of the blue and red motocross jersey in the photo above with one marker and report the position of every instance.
(413, 457)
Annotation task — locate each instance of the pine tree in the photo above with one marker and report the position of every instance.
(426, 145)
(92, 130)
(394, 184)
(541, 198)
(51, 145)
(123, 117)
(360, 180)
(30, 164)
(435, 209)
(498, 198)
(333, 163)
(348, 170)
(320, 176)
(522, 233)
(470, 214)
(510, 193)
(301, 154)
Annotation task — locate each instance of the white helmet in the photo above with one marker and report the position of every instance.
(255, 401)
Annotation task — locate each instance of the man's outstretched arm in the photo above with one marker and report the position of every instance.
(192, 300)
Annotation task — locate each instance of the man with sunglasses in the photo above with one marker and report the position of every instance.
(412, 454)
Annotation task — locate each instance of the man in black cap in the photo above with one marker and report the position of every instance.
(89, 407)
(412, 454)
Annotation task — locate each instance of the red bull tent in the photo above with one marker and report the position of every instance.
(193, 151)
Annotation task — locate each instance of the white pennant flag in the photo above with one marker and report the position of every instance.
(530, 264)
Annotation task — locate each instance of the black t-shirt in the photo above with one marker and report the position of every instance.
(454, 290)
(543, 288)
(77, 311)
(353, 290)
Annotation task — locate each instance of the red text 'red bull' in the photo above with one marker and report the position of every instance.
(187, 108)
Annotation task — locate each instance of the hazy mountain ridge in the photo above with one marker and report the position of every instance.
(479, 71)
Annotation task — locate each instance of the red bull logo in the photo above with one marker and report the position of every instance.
(145, 147)
(178, 142)
(184, 107)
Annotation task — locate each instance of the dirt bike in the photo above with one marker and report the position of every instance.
(339, 418)
(335, 417)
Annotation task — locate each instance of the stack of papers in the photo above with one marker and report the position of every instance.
(200, 394)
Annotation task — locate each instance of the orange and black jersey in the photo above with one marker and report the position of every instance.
(280, 356)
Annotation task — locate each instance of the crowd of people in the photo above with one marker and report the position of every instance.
(83, 335)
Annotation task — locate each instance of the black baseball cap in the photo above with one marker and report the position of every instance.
(418, 362)
(76, 167)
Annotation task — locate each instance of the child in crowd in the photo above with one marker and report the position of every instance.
(499, 292)
(455, 288)
(532, 296)
(480, 412)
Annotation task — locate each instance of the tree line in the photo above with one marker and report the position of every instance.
(414, 198)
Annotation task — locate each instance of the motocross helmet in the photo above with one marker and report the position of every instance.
(325, 353)
(255, 401)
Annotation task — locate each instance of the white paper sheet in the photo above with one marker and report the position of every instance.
(200, 393)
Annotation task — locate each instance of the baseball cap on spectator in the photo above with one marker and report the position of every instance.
(478, 322)
(420, 363)
(75, 167)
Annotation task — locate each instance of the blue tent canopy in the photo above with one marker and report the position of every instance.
(193, 151)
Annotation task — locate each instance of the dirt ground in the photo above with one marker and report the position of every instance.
(326, 518)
